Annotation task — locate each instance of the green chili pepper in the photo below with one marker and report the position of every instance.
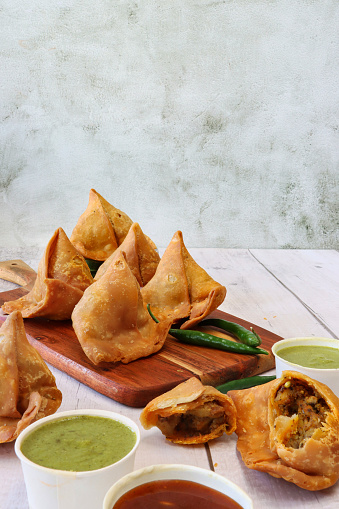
(193, 337)
(248, 337)
(198, 338)
(244, 383)
(93, 265)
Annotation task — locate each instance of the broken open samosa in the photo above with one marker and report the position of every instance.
(289, 428)
(63, 275)
(27, 387)
(191, 413)
(181, 288)
(111, 321)
(141, 256)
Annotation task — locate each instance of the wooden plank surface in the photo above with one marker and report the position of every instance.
(262, 283)
(136, 383)
(305, 273)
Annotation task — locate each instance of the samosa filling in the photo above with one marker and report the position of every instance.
(306, 409)
(198, 421)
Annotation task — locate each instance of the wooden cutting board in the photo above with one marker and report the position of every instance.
(136, 383)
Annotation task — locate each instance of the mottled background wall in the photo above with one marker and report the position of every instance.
(219, 118)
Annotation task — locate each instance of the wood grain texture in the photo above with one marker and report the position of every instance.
(136, 383)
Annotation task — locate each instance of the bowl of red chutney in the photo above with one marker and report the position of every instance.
(175, 486)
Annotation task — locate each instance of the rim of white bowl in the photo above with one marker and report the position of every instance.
(164, 468)
(309, 341)
(66, 413)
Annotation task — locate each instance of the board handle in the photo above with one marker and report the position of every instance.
(18, 272)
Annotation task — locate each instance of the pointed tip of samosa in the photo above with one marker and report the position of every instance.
(14, 317)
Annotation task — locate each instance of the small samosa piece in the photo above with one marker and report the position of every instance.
(111, 321)
(180, 288)
(289, 428)
(191, 413)
(27, 387)
(140, 255)
(62, 277)
(100, 229)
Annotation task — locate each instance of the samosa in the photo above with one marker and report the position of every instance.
(100, 229)
(111, 321)
(62, 277)
(140, 255)
(28, 390)
(289, 428)
(180, 288)
(191, 413)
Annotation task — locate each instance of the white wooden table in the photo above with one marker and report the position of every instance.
(290, 292)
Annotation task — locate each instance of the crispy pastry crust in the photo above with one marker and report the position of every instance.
(63, 275)
(141, 256)
(27, 387)
(289, 428)
(180, 288)
(100, 229)
(111, 321)
(191, 413)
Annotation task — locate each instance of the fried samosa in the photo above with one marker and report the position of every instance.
(62, 277)
(140, 255)
(191, 413)
(111, 321)
(100, 229)
(27, 387)
(180, 288)
(289, 428)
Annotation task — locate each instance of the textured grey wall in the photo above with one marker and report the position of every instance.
(219, 118)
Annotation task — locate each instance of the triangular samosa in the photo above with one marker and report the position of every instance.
(100, 229)
(140, 255)
(63, 275)
(111, 321)
(27, 387)
(181, 288)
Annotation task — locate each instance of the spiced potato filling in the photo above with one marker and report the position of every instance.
(201, 420)
(191, 413)
(300, 411)
(289, 428)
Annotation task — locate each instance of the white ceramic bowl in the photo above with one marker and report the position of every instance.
(181, 472)
(330, 377)
(48, 488)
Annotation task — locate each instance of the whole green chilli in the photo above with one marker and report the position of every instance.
(193, 337)
(244, 383)
(245, 336)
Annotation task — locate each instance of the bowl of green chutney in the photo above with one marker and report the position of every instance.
(70, 459)
(313, 356)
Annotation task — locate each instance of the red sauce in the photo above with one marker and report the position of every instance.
(174, 494)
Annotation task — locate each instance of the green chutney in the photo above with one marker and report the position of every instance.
(79, 443)
(311, 356)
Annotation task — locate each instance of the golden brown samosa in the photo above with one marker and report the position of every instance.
(289, 428)
(27, 387)
(62, 277)
(111, 321)
(191, 413)
(141, 256)
(181, 288)
(100, 229)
